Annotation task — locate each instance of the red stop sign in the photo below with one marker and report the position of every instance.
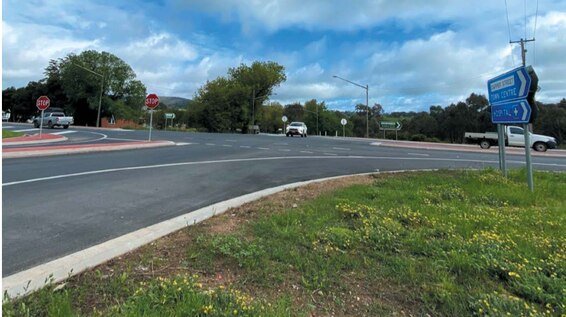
(42, 103)
(151, 101)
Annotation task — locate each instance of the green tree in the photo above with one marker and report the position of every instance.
(83, 77)
(260, 78)
(271, 120)
(294, 112)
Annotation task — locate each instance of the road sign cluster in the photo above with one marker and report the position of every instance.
(508, 97)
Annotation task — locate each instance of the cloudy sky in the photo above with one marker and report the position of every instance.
(411, 53)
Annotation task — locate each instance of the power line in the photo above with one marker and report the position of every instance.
(525, 18)
(509, 28)
(534, 37)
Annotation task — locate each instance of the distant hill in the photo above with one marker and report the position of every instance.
(175, 102)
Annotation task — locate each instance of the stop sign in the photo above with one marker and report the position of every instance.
(42, 103)
(151, 101)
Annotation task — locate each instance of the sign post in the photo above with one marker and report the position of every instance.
(508, 94)
(284, 119)
(169, 116)
(151, 102)
(343, 122)
(42, 103)
(388, 125)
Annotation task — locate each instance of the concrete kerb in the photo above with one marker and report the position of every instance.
(25, 282)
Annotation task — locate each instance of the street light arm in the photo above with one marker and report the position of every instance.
(351, 82)
(88, 70)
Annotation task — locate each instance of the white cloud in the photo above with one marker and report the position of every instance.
(25, 60)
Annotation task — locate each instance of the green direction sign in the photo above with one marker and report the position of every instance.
(388, 125)
(169, 116)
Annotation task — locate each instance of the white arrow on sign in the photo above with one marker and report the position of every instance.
(525, 110)
(523, 83)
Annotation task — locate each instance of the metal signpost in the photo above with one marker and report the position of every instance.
(508, 99)
(389, 125)
(42, 103)
(169, 116)
(343, 122)
(284, 119)
(151, 102)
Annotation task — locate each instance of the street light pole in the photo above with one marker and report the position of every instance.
(366, 87)
(101, 90)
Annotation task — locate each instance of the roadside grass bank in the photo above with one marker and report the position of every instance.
(446, 243)
(10, 134)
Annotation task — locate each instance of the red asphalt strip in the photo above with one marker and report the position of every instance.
(67, 147)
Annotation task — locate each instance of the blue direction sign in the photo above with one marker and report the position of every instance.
(518, 111)
(512, 85)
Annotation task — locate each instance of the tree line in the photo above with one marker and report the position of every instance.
(238, 101)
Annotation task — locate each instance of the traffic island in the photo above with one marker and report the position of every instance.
(75, 149)
(33, 139)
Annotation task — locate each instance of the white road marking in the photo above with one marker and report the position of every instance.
(263, 148)
(64, 132)
(210, 144)
(341, 148)
(418, 154)
(330, 154)
(278, 158)
(284, 150)
(231, 140)
(26, 130)
(376, 143)
(182, 143)
(121, 139)
(7, 126)
(307, 152)
(245, 147)
(226, 145)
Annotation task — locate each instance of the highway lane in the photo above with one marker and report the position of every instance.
(105, 195)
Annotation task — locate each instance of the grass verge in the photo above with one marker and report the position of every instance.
(10, 134)
(448, 243)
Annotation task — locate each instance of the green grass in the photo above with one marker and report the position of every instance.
(10, 134)
(446, 243)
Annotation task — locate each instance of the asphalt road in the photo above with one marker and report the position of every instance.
(54, 206)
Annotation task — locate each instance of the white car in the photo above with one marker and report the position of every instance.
(296, 128)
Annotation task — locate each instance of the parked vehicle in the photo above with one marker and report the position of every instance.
(53, 119)
(6, 115)
(514, 136)
(296, 128)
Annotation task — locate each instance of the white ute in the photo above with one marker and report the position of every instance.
(514, 136)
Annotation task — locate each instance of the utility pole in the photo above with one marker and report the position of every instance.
(526, 128)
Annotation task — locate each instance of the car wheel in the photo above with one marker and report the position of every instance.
(305, 135)
(287, 134)
(484, 144)
(65, 126)
(540, 147)
(36, 124)
(50, 125)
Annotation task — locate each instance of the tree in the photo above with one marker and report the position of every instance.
(82, 78)
(271, 120)
(229, 103)
(260, 78)
(294, 112)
